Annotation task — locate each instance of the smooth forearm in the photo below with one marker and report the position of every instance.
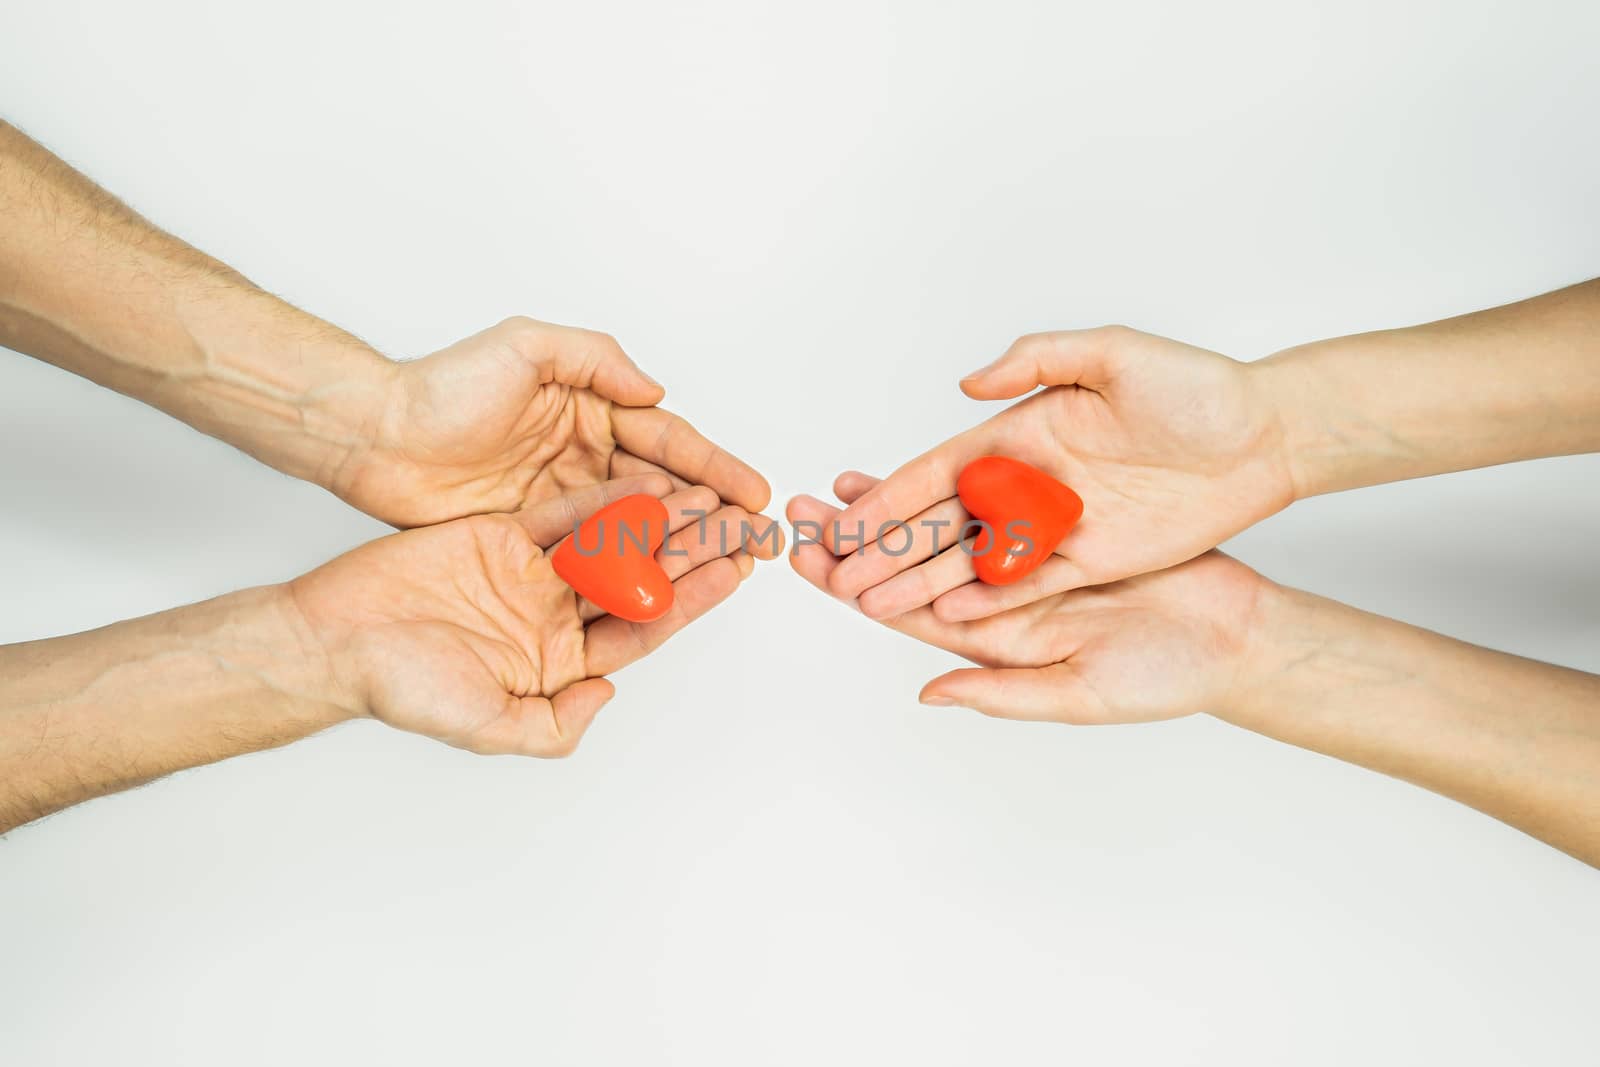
(88, 285)
(1511, 383)
(95, 712)
(1512, 737)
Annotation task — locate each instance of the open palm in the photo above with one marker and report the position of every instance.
(463, 631)
(1170, 446)
(519, 414)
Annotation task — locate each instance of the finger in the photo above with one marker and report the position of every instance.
(663, 438)
(612, 643)
(575, 708)
(1037, 694)
(540, 726)
(900, 550)
(698, 539)
(912, 489)
(978, 601)
(919, 586)
(815, 563)
(745, 562)
(549, 521)
(684, 508)
(703, 531)
(719, 534)
(764, 537)
(587, 359)
(1063, 357)
(849, 486)
(807, 517)
(625, 463)
(967, 599)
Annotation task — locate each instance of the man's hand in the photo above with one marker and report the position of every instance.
(1173, 449)
(460, 631)
(519, 414)
(505, 419)
(463, 631)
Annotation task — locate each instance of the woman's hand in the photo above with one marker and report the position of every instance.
(1173, 449)
(1158, 646)
(463, 632)
(1511, 737)
(520, 414)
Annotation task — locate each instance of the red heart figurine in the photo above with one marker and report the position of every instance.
(1028, 511)
(611, 559)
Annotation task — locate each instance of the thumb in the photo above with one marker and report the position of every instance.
(1051, 693)
(575, 708)
(597, 362)
(546, 727)
(1065, 357)
(586, 359)
(550, 520)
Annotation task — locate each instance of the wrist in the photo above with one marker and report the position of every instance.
(345, 413)
(1280, 634)
(1288, 395)
(323, 651)
(293, 657)
(293, 391)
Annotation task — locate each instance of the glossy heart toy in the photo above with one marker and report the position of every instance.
(1028, 511)
(611, 559)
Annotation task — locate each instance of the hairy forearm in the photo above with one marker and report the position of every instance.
(1515, 382)
(88, 285)
(108, 709)
(1512, 737)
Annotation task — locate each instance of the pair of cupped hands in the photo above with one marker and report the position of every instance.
(491, 451)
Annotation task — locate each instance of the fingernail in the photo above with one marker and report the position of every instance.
(938, 701)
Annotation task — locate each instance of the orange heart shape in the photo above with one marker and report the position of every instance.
(610, 559)
(1026, 514)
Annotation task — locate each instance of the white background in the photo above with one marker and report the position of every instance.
(809, 221)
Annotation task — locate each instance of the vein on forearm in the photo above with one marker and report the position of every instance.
(92, 287)
(95, 712)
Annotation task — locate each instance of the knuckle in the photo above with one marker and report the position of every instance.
(602, 345)
(518, 324)
(1025, 345)
(836, 581)
(708, 456)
